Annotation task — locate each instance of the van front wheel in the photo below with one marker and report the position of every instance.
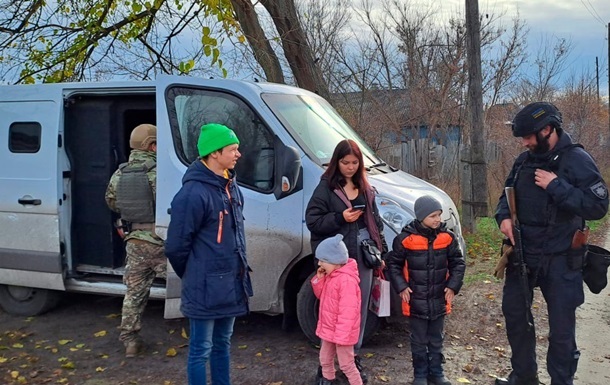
(27, 301)
(307, 313)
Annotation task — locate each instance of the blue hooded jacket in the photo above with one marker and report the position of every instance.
(206, 245)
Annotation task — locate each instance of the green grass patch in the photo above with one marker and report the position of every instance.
(482, 250)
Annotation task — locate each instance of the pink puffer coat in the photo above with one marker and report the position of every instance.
(339, 294)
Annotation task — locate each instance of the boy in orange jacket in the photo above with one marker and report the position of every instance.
(427, 269)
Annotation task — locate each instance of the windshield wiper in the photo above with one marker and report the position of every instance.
(376, 165)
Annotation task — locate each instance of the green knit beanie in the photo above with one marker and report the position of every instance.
(213, 137)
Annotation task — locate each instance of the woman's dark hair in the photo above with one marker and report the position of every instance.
(332, 173)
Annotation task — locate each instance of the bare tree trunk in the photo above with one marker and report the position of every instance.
(264, 54)
(296, 49)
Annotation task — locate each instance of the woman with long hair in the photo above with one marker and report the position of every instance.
(344, 203)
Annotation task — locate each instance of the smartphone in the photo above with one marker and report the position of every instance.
(358, 207)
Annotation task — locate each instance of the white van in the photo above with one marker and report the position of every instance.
(61, 142)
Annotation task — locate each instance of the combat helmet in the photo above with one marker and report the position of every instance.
(142, 136)
(534, 117)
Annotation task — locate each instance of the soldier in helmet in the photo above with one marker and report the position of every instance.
(131, 193)
(557, 187)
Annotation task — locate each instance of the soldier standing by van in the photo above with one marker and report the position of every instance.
(131, 193)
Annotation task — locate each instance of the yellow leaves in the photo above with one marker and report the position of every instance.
(242, 347)
(383, 378)
(171, 352)
(369, 355)
(101, 333)
(18, 346)
(69, 365)
(183, 334)
(463, 380)
(14, 374)
(99, 369)
(241, 39)
(259, 354)
(64, 342)
(3, 360)
(113, 315)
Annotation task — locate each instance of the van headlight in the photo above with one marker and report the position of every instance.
(393, 214)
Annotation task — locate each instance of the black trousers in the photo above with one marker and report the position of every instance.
(562, 289)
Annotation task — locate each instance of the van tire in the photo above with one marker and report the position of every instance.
(307, 313)
(27, 301)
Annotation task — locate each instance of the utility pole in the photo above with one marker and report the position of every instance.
(597, 76)
(609, 79)
(474, 167)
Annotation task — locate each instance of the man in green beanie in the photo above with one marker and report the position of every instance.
(206, 246)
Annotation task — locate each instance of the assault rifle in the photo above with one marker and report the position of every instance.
(518, 259)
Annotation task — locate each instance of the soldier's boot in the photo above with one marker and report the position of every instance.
(132, 348)
(435, 369)
(516, 380)
(420, 369)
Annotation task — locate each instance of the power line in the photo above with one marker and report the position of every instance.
(593, 12)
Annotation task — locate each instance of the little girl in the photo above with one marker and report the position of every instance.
(336, 284)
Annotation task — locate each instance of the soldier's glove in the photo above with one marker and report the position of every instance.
(505, 251)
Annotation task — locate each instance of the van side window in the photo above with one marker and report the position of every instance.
(191, 108)
(24, 137)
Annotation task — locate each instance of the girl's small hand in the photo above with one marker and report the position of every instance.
(449, 294)
(321, 273)
(406, 294)
(350, 215)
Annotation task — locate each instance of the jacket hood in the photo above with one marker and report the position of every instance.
(350, 268)
(198, 172)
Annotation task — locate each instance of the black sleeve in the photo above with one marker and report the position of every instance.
(582, 191)
(456, 266)
(502, 211)
(395, 261)
(319, 216)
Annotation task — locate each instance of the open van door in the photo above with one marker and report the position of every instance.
(269, 175)
(30, 245)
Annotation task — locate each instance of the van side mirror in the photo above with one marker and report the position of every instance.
(287, 169)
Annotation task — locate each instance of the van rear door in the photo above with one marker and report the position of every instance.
(30, 245)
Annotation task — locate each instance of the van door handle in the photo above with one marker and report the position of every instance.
(30, 201)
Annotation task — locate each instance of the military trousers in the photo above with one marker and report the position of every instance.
(562, 289)
(144, 262)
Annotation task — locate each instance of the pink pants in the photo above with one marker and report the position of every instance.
(345, 356)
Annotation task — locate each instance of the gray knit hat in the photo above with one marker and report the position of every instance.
(425, 206)
(332, 250)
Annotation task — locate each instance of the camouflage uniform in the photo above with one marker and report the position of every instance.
(145, 258)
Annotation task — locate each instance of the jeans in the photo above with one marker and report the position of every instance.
(210, 339)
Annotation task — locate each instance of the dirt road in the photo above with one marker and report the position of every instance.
(76, 344)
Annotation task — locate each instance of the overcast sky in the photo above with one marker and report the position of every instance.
(583, 22)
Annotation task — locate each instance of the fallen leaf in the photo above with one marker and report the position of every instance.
(3, 360)
(259, 354)
(384, 378)
(64, 342)
(62, 359)
(14, 374)
(240, 366)
(18, 346)
(101, 333)
(113, 315)
(171, 352)
(80, 346)
(68, 365)
(99, 369)
(184, 335)
(242, 347)
(463, 380)
(369, 355)
(74, 349)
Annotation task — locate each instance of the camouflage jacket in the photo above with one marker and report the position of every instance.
(136, 157)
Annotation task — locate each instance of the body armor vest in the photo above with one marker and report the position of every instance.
(134, 196)
(534, 206)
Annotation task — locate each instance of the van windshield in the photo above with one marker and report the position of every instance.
(315, 124)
